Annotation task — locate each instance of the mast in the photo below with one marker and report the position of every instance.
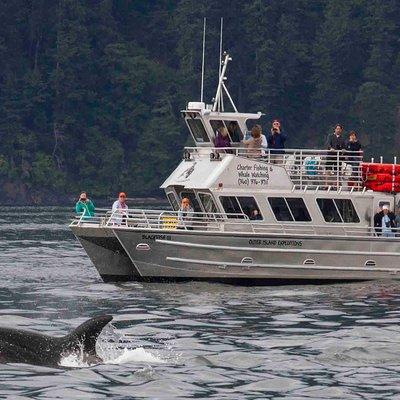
(202, 62)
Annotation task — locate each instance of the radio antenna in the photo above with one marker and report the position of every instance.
(202, 63)
(220, 45)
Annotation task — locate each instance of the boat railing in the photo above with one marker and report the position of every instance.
(168, 220)
(307, 168)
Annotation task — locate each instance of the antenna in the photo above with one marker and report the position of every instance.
(202, 63)
(220, 46)
(221, 103)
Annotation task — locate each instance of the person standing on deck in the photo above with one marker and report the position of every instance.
(84, 206)
(276, 142)
(119, 210)
(384, 221)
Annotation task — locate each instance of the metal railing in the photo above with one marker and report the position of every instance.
(306, 168)
(138, 219)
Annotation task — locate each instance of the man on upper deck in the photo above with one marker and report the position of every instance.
(276, 142)
(335, 143)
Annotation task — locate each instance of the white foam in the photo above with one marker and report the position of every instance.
(73, 361)
(139, 355)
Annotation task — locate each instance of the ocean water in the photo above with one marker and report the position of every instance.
(190, 340)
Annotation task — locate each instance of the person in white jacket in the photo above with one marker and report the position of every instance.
(119, 210)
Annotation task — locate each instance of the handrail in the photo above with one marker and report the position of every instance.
(139, 219)
(305, 167)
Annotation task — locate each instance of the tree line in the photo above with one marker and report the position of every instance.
(90, 91)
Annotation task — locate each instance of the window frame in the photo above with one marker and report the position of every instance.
(175, 199)
(197, 118)
(337, 210)
(293, 221)
(240, 206)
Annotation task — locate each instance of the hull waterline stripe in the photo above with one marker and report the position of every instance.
(273, 249)
(308, 268)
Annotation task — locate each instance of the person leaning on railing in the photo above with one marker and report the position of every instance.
(185, 215)
(353, 154)
(254, 144)
(84, 206)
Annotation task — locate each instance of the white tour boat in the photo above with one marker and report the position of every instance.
(314, 223)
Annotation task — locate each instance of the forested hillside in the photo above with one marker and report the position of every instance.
(90, 91)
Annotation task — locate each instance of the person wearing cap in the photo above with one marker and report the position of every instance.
(384, 222)
(119, 210)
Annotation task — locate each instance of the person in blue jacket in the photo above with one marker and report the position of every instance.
(276, 142)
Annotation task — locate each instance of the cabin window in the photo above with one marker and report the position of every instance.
(234, 131)
(250, 207)
(241, 205)
(347, 211)
(230, 205)
(280, 209)
(289, 209)
(298, 209)
(208, 203)
(338, 210)
(193, 200)
(172, 200)
(197, 129)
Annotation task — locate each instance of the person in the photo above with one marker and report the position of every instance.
(276, 142)
(84, 206)
(335, 142)
(255, 142)
(222, 138)
(353, 148)
(234, 132)
(184, 214)
(255, 215)
(397, 222)
(119, 210)
(384, 221)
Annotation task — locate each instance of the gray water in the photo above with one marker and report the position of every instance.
(192, 340)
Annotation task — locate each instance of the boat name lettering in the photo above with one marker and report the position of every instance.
(276, 243)
(156, 237)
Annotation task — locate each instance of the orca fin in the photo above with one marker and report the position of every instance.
(86, 334)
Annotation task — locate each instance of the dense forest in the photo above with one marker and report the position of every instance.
(90, 90)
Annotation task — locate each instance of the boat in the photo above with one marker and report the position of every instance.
(314, 224)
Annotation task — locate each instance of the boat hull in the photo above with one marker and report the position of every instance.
(106, 253)
(221, 256)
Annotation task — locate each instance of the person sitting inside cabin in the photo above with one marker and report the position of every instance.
(119, 210)
(254, 144)
(276, 142)
(384, 222)
(84, 206)
(185, 214)
(234, 132)
(353, 148)
(255, 215)
(222, 138)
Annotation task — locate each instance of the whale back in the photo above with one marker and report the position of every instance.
(84, 337)
(35, 348)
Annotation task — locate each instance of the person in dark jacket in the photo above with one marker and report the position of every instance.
(222, 138)
(335, 143)
(276, 141)
(384, 222)
(354, 155)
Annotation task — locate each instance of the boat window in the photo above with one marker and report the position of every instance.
(230, 205)
(329, 211)
(249, 205)
(172, 200)
(193, 200)
(298, 209)
(234, 131)
(347, 210)
(280, 209)
(198, 131)
(208, 203)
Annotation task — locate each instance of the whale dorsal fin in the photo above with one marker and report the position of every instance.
(86, 334)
